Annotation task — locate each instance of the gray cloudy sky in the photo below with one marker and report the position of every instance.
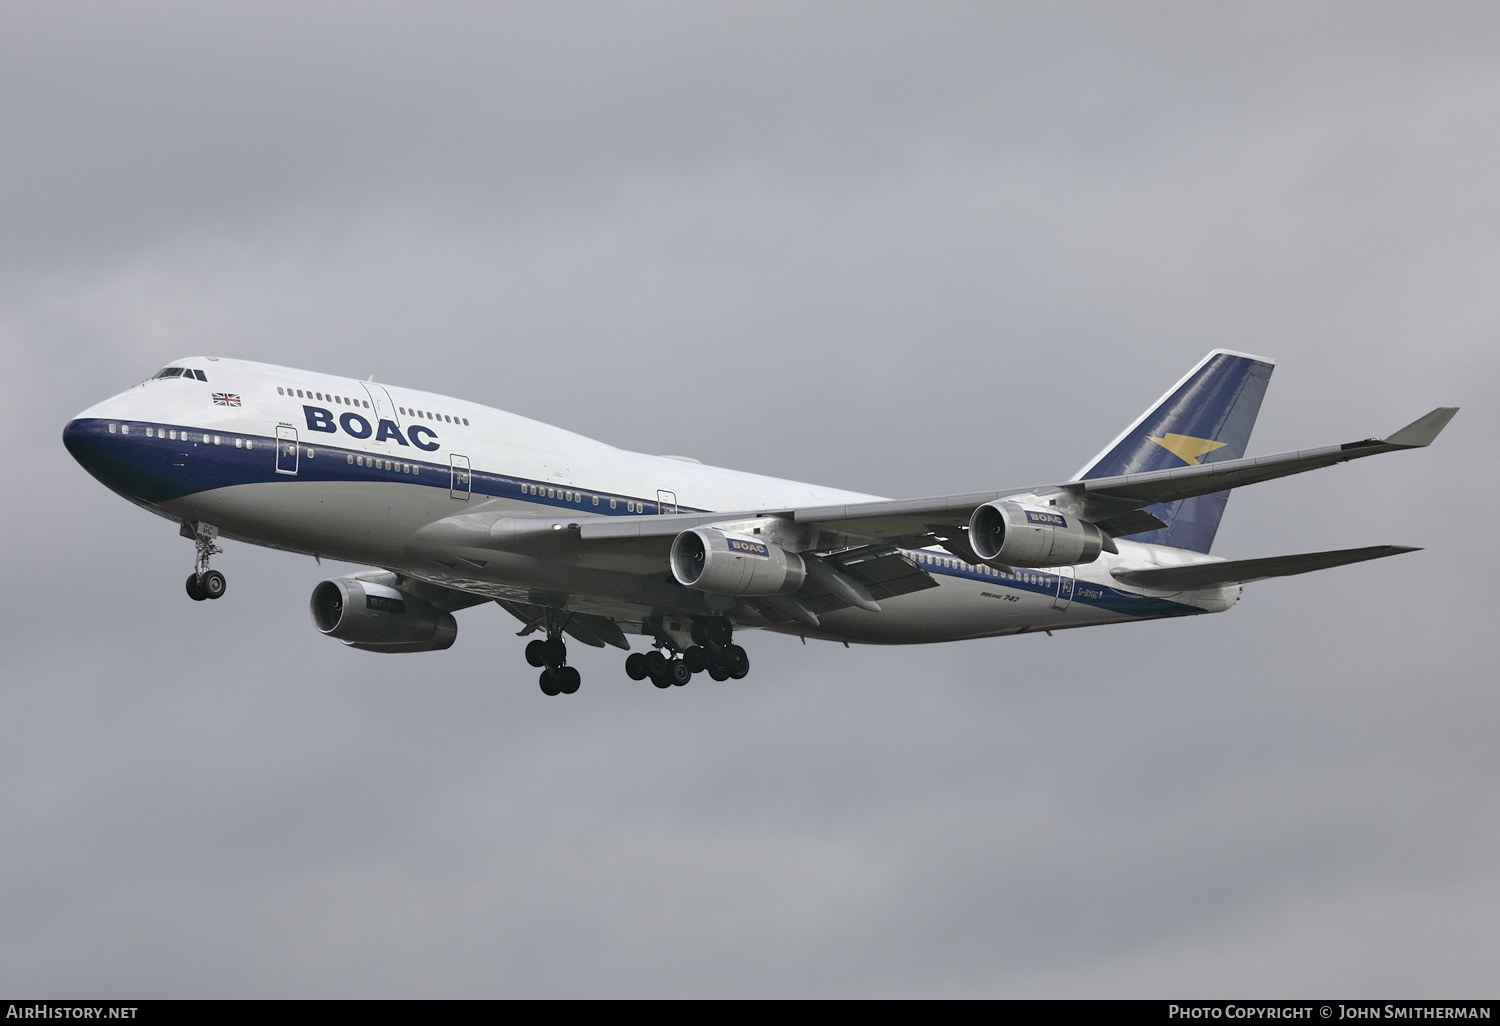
(902, 248)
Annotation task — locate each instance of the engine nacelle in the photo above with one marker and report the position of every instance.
(734, 564)
(379, 618)
(1014, 534)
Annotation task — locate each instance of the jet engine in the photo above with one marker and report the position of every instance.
(734, 564)
(379, 618)
(1014, 534)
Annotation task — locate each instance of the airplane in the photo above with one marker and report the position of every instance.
(458, 504)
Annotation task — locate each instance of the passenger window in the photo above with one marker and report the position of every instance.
(239, 443)
(350, 458)
(113, 428)
(249, 443)
(611, 503)
(596, 500)
(124, 429)
(466, 422)
(148, 432)
(279, 391)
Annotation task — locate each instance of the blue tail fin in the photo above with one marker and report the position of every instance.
(1204, 418)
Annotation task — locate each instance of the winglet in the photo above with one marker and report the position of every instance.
(1423, 430)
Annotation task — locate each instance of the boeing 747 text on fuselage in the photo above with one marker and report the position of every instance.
(460, 505)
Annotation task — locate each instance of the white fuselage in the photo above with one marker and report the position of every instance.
(354, 471)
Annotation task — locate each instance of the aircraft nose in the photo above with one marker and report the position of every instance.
(81, 439)
(102, 447)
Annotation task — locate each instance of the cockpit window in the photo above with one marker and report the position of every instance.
(180, 372)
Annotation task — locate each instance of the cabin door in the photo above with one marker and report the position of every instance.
(1064, 596)
(286, 450)
(459, 477)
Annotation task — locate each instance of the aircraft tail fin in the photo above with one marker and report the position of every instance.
(1204, 418)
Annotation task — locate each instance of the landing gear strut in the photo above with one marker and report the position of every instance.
(204, 583)
(713, 650)
(557, 677)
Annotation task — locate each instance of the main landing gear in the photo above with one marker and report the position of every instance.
(713, 650)
(204, 583)
(557, 678)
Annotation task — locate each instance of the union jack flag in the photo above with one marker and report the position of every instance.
(226, 399)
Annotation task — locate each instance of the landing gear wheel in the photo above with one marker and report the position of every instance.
(567, 679)
(549, 683)
(555, 652)
(656, 664)
(635, 666)
(696, 659)
(736, 662)
(717, 672)
(677, 673)
(536, 653)
(660, 680)
(205, 583)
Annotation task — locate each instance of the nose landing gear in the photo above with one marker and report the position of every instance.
(204, 583)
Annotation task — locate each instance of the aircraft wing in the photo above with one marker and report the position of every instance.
(1117, 504)
(1114, 502)
(439, 597)
(1243, 571)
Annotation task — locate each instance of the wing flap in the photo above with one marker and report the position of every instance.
(589, 628)
(882, 570)
(1243, 571)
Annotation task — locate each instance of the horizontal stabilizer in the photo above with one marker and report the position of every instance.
(1243, 571)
